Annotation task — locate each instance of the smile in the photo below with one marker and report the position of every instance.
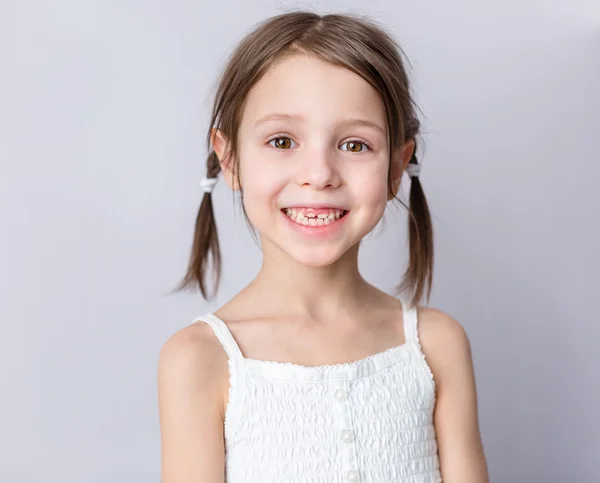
(314, 217)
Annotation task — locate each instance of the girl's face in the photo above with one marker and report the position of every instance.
(314, 159)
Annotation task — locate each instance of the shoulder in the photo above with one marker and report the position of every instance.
(439, 328)
(192, 373)
(447, 350)
(444, 342)
(190, 358)
(192, 344)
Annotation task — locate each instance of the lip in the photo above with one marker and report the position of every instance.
(318, 230)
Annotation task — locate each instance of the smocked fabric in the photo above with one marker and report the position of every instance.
(367, 421)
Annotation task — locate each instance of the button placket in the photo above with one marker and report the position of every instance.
(352, 475)
(341, 402)
(341, 394)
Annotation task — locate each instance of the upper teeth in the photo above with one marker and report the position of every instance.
(308, 217)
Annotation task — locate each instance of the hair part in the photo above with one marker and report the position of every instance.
(348, 41)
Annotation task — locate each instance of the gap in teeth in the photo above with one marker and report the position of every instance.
(309, 218)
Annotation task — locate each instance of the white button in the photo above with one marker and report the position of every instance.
(347, 436)
(341, 394)
(352, 475)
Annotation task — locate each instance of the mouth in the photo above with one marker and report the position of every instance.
(314, 216)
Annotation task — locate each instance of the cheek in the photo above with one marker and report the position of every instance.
(370, 186)
(260, 182)
(261, 185)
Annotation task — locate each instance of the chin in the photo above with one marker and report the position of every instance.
(312, 258)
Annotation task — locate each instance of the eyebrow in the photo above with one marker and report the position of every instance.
(275, 116)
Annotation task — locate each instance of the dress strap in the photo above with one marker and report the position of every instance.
(411, 333)
(237, 373)
(224, 335)
(409, 313)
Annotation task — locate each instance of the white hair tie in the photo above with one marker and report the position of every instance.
(207, 184)
(413, 170)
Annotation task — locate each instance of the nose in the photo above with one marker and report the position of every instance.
(319, 170)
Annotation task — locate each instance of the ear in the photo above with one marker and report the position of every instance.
(399, 162)
(221, 147)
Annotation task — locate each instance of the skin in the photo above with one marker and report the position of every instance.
(309, 304)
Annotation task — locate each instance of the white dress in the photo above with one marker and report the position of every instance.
(367, 421)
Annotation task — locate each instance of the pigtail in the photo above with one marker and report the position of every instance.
(205, 247)
(419, 272)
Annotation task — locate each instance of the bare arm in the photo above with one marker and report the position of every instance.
(448, 353)
(190, 399)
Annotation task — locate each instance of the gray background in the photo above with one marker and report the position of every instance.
(103, 110)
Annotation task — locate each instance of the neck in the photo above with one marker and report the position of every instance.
(314, 292)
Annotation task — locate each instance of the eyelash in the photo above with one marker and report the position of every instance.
(349, 141)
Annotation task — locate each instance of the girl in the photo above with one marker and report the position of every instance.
(311, 374)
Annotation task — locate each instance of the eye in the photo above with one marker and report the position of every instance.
(355, 146)
(281, 142)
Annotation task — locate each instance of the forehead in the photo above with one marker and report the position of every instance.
(316, 89)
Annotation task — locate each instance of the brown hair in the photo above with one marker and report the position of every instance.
(349, 41)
